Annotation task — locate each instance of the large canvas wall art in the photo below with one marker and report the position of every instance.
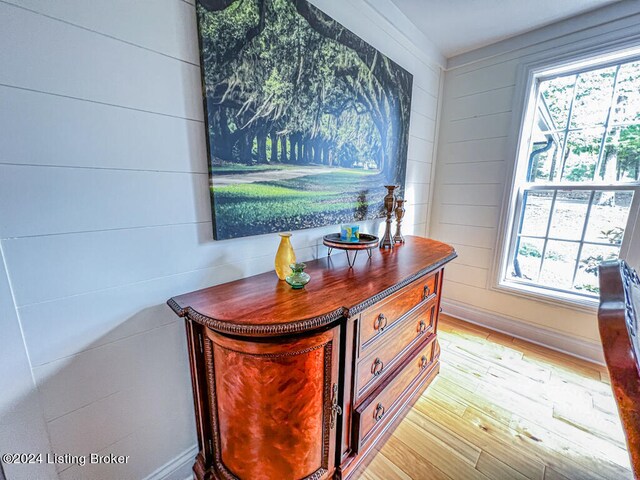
(306, 122)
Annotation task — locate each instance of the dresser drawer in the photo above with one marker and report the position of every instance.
(380, 318)
(406, 333)
(373, 414)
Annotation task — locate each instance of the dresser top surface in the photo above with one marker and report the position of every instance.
(262, 305)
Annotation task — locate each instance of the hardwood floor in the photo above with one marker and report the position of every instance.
(503, 408)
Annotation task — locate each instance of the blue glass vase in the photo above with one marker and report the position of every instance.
(298, 278)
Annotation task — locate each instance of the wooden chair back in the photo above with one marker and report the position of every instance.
(618, 323)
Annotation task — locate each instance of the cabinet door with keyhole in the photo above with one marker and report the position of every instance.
(276, 405)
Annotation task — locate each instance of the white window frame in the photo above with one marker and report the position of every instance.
(525, 102)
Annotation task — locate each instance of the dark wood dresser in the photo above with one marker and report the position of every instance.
(303, 384)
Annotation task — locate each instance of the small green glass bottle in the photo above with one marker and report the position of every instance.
(298, 278)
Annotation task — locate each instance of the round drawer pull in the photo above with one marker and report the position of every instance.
(376, 368)
(378, 413)
(380, 322)
(422, 326)
(423, 362)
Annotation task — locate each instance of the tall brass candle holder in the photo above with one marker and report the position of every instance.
(398, 238)
(389, 205)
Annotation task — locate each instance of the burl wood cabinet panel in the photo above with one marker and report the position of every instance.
(262, 387)
(304, 384)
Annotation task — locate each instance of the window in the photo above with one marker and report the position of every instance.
(577, 183)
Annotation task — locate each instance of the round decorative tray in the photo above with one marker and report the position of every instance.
(366, 242)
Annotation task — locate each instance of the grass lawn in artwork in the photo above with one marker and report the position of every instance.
(304, 201)
(306, 122)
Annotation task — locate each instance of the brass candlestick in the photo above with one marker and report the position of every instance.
(389, 205)
(398, 238)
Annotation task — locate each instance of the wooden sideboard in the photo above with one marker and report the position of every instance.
(304, 384)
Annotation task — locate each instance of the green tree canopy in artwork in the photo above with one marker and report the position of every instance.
(287, 84)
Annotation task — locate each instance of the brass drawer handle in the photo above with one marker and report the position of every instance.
(376, 368)
(380, 322)
(423, 362)
(426, 292)
(422, 326)
(378, 413)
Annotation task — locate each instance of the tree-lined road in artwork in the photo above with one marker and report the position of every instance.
(305, 197)
(306, 122)
(222, 178)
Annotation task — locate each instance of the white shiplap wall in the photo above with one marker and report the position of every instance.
(480, 117)
(104, 213)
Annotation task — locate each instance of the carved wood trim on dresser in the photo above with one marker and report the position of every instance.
(305, 384)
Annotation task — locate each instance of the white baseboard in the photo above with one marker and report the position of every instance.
(178, 468)
(560, 342)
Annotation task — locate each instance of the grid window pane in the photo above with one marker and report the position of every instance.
(537, 205)
(581, 155)
(555, 98)
(594, 91)
(626, 106)
(546, 157)
(584, 147)
(621, 157)
(585, 227)
(569, 214)
(527, 263)
(559, 262)
(609, 215)
(586, 280)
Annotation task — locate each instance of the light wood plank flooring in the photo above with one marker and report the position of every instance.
(502, 408)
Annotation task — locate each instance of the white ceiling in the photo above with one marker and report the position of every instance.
(457, 26)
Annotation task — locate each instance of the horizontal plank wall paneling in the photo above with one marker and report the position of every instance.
(473, 256)
(428, 101)
(476, 151)
(490, 172)
(420, 150)
(419, 171)
(482, 237)
(22, 423)
(481, 104)
(459, 193)
(105, 212)
(497, 76)
(471, 276)
(135, 140)
(471, 215)
(94, 199)
(417, 194)
(162, 31)
(49, 267)
(476, 128)
(421, 126)
(104, 69)
(120, 367)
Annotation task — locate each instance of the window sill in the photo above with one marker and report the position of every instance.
(555, 298)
